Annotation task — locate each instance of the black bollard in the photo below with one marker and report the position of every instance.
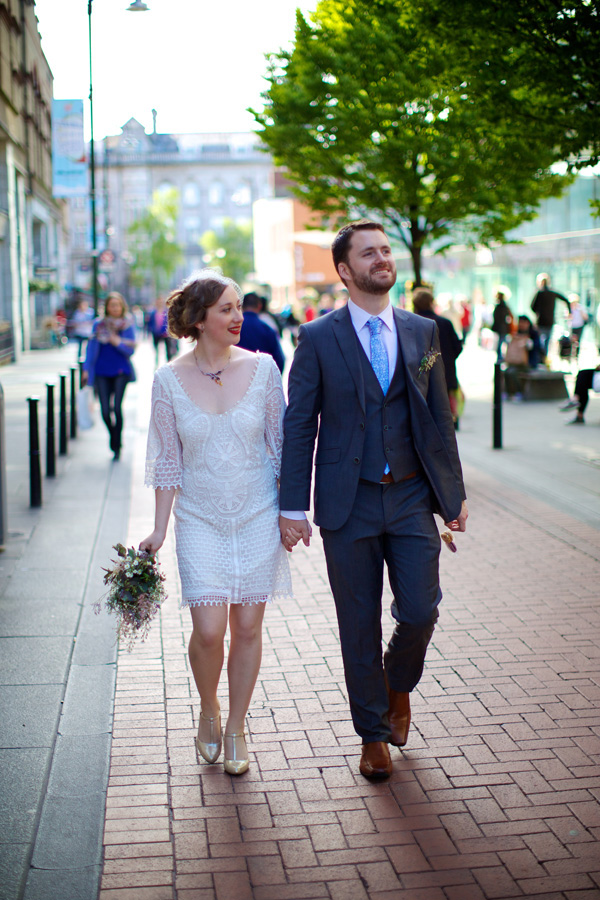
(35, 472)
(497, 429)
(50, 433)
(62, 416)
(73, 403)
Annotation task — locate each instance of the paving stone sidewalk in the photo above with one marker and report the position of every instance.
(497, 794)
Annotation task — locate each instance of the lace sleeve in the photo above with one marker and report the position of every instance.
(275, 407)
(164, 456)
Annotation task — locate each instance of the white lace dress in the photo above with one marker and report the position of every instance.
(224, 467)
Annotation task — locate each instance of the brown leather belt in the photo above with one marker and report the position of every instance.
(388, 478)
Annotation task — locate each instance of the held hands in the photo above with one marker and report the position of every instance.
(153, 542)
(292, 530)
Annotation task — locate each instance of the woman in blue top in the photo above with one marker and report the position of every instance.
(108, 366)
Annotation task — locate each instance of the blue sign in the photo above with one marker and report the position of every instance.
(69, 165)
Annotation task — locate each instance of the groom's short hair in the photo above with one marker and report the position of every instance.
(341, 242)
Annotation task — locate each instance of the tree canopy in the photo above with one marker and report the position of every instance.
(546, 50)
(369, 117)
(230, 249)
(156, 253)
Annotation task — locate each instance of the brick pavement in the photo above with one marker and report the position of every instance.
(496, 795)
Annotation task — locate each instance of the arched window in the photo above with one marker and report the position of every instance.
(191, 194)
(216, 193)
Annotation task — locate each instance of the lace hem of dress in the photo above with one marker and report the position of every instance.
(221, 600)
(163, 487)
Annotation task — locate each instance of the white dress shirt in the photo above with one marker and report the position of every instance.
(360, 318)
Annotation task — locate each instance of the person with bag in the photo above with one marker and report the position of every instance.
(108, 367)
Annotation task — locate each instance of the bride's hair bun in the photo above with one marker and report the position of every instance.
(187, 305)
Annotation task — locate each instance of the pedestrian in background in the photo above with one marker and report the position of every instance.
(158, 328)
(214, 450)
(579, 318)
(81, 325)
(587, 380)
(450, 346)
(502, 320)
(256, 335)
(108, 367)
(543, 305)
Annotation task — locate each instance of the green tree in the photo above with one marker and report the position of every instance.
(230, 249)
(152, 242)
(368, 118)
(548, 50)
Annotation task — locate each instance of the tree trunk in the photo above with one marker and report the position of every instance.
(415, 252)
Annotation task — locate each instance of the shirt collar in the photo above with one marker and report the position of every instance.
(360, 316)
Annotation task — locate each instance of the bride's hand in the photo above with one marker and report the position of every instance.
(153, 542)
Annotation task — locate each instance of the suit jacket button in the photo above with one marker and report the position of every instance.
(356, 460)
(388, 450)
(362, 426)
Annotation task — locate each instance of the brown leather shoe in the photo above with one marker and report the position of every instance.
(399, 716)
(375, 761)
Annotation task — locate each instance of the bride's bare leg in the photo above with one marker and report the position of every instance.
(243, 664)
(206, 653)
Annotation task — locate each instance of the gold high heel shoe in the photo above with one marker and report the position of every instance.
(236, 760)
(211, 728)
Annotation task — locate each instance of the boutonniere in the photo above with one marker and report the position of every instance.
(428, 361)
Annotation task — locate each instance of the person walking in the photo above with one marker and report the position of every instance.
(587, 380)
(502, 321)
(214, 448)
(108, 367)
(543, 305)
(81, 324)
(450, 346)
(369, 380)
(158, 328)
(256, 334)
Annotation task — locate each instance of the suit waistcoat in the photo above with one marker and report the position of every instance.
(388, 433)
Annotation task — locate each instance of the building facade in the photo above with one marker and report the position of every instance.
(217, 176)
(30, 220)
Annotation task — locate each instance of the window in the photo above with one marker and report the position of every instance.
(191, 194)
(216, 193)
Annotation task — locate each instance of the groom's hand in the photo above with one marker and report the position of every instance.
(292, 530)
(460, 524)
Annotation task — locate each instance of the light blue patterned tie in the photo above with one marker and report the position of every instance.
(379, 357)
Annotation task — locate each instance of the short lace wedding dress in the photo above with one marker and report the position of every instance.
(224, 467)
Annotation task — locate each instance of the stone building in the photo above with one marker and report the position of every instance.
(30, 220)
(217, 176)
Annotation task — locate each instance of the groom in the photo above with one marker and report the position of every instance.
(369, 380)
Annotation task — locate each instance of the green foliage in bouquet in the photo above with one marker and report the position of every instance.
(135, 593)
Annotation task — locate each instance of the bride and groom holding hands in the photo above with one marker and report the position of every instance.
(367, 399)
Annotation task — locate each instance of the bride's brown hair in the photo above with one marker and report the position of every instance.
(187, 305)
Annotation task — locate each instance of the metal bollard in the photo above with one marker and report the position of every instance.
(35, 472)
(73, 403)
(497, 427)
(3, 498)
(50, 433)
(62, 417)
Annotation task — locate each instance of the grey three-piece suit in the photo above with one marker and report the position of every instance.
(333, 392)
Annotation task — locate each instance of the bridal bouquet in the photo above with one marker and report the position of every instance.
(135, 593)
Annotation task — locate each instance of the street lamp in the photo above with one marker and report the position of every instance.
(136, 6)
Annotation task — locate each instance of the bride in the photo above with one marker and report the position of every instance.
(214, 450)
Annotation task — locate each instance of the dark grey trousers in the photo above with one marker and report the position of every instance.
(391, 524)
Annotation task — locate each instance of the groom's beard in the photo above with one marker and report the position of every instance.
(371, 284)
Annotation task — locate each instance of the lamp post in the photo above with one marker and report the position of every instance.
(136, 6)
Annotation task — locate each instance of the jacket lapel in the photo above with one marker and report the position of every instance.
(344, 333)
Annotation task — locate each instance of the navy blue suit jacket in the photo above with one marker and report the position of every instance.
(255, 335)
(327, 396)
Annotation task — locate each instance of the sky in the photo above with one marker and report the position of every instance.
(199, 63)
